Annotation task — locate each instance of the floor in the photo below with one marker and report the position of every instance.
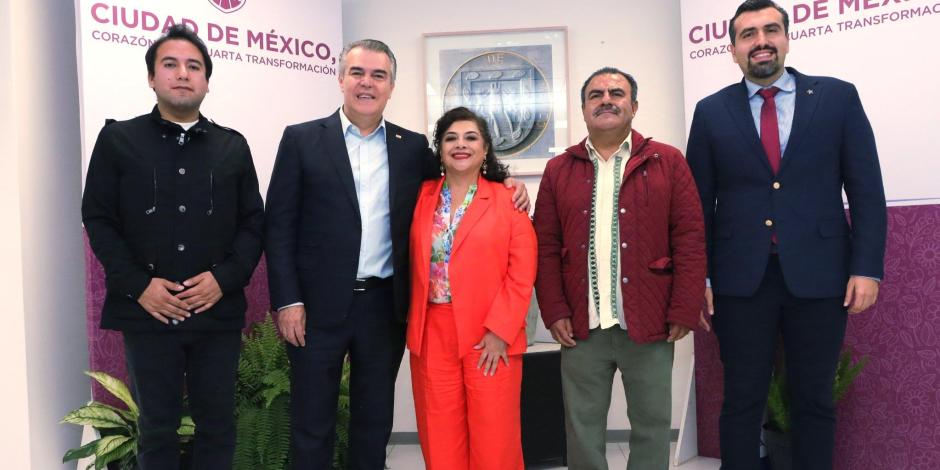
(408, 457)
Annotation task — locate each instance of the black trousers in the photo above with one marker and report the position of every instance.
(747, 330)
(375, 342)
(159, 364)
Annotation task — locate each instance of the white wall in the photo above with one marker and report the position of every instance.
(642, 38)
(44, 341)
(14, 440)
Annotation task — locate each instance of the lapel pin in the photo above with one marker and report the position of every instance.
(398, 136)
(809, 92)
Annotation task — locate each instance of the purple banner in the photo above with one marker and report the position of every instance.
(889, 420)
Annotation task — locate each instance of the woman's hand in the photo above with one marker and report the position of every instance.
(493, 348)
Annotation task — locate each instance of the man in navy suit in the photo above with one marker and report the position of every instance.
(339, 210)
(771, 156)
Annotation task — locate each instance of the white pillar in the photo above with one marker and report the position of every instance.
(14, 444)
(43, 342)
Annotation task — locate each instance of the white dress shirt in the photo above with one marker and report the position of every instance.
(603, 216)
(368, 157)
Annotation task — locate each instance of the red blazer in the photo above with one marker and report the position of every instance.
(492, 268)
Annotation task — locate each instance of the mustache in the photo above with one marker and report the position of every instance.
(605, 108)
(757, 49)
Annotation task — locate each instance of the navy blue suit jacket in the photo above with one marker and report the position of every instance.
(831, 148)
(312, 224)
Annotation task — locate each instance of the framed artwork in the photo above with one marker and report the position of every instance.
(517, 80)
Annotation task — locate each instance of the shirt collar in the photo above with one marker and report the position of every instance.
(348, 126)
(199, 126)
(624, 146)
(786, 83)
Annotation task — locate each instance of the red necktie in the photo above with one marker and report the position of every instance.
(769, 133)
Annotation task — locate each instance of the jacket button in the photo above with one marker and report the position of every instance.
(623, 245)
(584, 211)
(182, 171)
(625, 280)
(623, 211)
(182, 209)
(181, 247)
(769, 223)
(150, 267)
(582, 246)
(776, 185)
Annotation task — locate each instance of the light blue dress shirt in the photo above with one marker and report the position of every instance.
(785, 99)
(368, 157)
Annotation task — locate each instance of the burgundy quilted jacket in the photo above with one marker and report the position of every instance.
(662, 237)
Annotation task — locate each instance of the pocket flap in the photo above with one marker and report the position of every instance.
(661, 264)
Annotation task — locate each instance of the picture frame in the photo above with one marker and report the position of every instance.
(516, 79)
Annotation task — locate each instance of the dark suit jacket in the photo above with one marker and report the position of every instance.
(313, 227)
(831, 148)
(158, 206)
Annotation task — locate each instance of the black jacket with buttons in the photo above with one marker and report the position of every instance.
(163, 202)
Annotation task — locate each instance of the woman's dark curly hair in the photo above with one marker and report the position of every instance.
(495, 171)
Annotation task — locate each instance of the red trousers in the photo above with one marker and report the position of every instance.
(466, 421)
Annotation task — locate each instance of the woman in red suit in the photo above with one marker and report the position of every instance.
(473, 261)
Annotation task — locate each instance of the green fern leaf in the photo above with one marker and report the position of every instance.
(244, 440)
(262, 400)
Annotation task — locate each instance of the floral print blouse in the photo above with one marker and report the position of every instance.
(443, 229)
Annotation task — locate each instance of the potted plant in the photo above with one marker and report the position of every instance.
(262, 403)
(116, 448)
(777, 428)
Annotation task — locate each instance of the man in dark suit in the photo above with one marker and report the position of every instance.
(771, 156)
(339, 211)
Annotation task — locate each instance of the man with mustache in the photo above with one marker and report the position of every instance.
(771, 156)
(172, 211)
(621, 272)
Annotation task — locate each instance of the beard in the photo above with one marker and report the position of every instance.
(763, 69)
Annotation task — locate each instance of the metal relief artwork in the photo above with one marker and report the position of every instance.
(510, 87)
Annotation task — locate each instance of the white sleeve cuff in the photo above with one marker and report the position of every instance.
(290, 305)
